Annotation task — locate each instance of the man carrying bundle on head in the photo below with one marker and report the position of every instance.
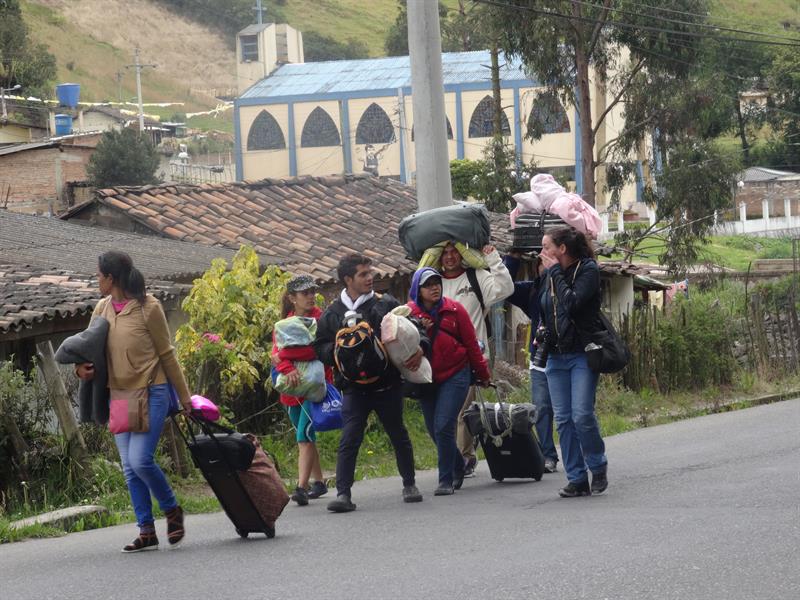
(477, 290)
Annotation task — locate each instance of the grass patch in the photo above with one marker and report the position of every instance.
(730, 251)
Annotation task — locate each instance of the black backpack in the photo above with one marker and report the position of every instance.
(359, 354)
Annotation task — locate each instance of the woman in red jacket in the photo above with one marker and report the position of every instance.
(300, 300)
(455, 355)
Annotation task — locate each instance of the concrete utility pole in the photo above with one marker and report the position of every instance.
(138, 66)
(430, 130)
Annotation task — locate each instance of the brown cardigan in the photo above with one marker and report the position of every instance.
(138, 338)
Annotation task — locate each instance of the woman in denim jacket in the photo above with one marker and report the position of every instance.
(570, 301)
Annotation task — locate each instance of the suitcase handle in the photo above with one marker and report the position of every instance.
(497, 440)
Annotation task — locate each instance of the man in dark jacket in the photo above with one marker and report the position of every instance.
(383, 395)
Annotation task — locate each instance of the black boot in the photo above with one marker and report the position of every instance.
(600, 481)
(574, 490)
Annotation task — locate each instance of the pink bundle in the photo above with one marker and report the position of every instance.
(205, 408)
(548, 196)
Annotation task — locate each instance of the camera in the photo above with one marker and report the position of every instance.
(541, 347)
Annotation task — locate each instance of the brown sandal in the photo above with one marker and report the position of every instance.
(175, 530)
(145, 541)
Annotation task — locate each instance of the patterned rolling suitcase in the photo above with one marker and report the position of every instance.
(241, 475)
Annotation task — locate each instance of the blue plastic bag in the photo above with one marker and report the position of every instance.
(326, 415)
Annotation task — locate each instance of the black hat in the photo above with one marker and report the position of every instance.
(300, 283)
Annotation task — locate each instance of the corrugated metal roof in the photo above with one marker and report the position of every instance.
(343, 76)
(11, 149)
(759, 174)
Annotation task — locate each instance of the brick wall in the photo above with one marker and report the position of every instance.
(37, 178)
(775, 192)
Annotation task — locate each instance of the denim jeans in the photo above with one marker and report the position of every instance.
(137, 451)
(540, 392)
(572, 391)
(441, 415)
(356, 406)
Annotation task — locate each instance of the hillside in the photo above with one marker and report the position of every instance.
(93, 40)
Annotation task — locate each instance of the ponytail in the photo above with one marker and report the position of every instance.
(119, 266)
(578, 245)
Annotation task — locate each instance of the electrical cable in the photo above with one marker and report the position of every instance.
(629, 26)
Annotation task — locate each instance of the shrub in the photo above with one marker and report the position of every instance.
(225, 347)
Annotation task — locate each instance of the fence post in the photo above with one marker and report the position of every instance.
(604, 219)
(787, 210)
(743, 213)
(62, 406)
(651, 215)
(765, 212)
(620, 222)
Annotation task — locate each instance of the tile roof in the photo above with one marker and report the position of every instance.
(32, 295)
(53, 243)
(389, 73)
(309, 222)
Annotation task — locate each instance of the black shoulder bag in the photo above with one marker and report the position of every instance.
(606, 351)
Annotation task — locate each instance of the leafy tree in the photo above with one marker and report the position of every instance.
(123, 158)
(492, 180)
(396, 42)
(21, 61)
(225, 347)
(227, 17)
(559, 40)
(318, 47)
(784, 84)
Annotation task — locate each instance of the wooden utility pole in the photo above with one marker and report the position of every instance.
(62, 406)
(497, 117)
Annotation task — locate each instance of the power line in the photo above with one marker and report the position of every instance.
(630, 26)
(690, 23)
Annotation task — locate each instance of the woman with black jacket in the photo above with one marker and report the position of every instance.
(570, 301)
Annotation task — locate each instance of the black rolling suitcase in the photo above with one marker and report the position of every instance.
(230, 463)
(505, 432)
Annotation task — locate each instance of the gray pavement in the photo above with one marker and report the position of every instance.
(701, 509)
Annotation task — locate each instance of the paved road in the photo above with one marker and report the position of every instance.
(707, 508)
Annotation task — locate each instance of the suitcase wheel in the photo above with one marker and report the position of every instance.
(242, 534)
(499, 478)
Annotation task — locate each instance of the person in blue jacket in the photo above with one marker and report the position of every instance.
(526, 297)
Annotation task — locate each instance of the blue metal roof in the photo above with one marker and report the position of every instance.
(346, 76)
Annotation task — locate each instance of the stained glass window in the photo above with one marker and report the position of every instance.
(548, 115)
(481, 124)
(265, 133)
(319, 130)
(375, 127)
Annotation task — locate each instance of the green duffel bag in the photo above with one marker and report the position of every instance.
(465, 223)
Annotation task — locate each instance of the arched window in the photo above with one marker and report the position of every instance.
(481, 124)
(547, 116)
(319, 130)
(447, 124)
(265, 133)
(374, 127)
